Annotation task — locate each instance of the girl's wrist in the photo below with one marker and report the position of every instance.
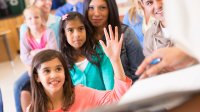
(115, 60)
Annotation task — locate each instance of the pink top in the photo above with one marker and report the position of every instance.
(48, 41)
(34, 44)
(86, 98)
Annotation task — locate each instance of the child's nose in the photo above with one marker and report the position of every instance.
(76, 34)
(53, 74)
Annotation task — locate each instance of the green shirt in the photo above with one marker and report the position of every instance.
(98, 77)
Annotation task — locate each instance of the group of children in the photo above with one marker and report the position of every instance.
(53, 88)
(83, 61)
(76, 58)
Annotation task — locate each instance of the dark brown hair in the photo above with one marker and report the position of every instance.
(113, 15)
(39, 99)
(88, 48)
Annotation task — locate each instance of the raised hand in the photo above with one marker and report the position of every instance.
(113, 45)
(112, 49)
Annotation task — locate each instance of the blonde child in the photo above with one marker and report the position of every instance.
(36, 39)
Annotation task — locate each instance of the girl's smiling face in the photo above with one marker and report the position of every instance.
(51, 75)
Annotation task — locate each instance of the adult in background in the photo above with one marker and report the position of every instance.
(183, 15)
(157, 36)
(101, 13)
(70, 6)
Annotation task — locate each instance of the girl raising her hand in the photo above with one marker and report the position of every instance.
(52, 88)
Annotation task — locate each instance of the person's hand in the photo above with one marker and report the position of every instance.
(113, 46)
(113, 49)
(171, 59)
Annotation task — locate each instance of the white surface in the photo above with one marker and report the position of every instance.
(183, 20)
(168, 89)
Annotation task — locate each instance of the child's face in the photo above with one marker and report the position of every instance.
(75, 33)
(51, 75)
(33, 19)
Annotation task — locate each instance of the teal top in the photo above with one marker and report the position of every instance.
(98, 77)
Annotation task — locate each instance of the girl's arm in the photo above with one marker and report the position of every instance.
(112, 50)
(51, 40)
(122, 83)
(25, 52)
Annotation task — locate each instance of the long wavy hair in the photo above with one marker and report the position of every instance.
(113, 15)
(88, 48)
(40, 99)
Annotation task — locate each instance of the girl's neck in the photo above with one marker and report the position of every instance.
(37, 33)
(99, 33)
(57, 101)
(79, 56)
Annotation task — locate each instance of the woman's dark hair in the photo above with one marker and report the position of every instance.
(39, 99)
(113, 15)
(88, 48)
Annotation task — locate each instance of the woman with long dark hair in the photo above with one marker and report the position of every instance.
(101, 13)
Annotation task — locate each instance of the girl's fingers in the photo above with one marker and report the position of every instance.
(121, 38)
(102, 44)
(116, 33)
(106, 35)
(111, 32)
(121, 41)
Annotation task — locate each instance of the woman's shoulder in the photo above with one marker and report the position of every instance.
(125, 28)
(53, 19)
(128, 32)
